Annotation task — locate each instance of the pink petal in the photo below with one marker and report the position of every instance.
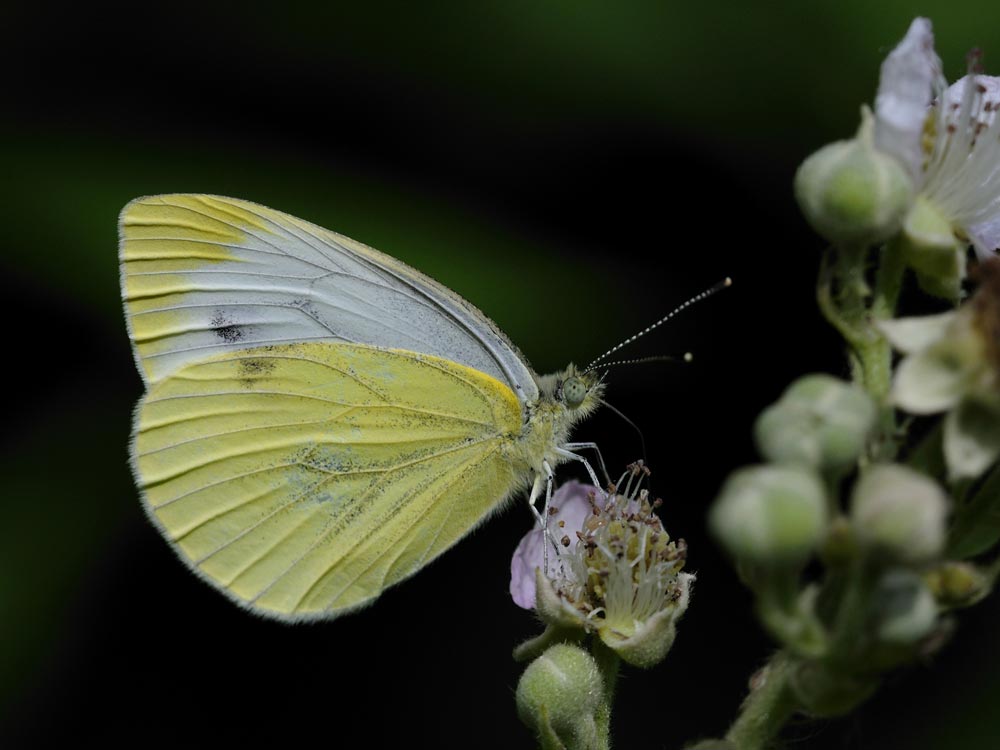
(572, 504)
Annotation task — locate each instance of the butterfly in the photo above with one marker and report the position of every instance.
(320, 421)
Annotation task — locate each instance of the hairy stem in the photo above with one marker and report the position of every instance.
(767, 708)
(848, 303)
(608, 662)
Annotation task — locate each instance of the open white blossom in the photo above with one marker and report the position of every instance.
(952, 364)
(948, 138)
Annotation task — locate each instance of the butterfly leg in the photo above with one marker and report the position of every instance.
(549, 536)
(590, 469)
(542, 517)
(600, 458)
(536, 491)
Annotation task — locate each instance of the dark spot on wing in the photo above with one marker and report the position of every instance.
(253, 370)
(227, 329)
(256, 367)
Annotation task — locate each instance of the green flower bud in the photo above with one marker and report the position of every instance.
(559, 695)
(819, 421)
(932, 251)
(899, 513)
(852, 193)
(770, 515)
(957, 584)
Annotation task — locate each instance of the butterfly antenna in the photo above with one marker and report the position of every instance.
(688, 357)
(642, 439)
(725, 283)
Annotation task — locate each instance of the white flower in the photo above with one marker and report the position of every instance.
(952, 364)
(612, 570)
(948, 138)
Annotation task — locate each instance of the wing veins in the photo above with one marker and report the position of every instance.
(472, 462)
(259, 342)
(333, 518)
(329, 420)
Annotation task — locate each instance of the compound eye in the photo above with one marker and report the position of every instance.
(574, 391)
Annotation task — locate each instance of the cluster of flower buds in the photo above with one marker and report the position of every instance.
(873, 608)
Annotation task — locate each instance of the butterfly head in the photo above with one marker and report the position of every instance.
(578, 392)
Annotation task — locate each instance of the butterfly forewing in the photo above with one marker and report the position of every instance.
(205, 274)
(302, 479)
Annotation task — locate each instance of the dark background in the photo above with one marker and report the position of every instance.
(575, 170)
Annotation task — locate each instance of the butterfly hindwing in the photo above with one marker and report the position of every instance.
(303, 479)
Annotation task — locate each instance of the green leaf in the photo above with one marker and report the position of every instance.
(971, 438)
(928, 454)
(976, 525)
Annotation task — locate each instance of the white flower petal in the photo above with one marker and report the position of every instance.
(990, 89)
(927, 382)
(985, 237)
(963, 175)
(910, 77)
(971, 439)
(913, 334)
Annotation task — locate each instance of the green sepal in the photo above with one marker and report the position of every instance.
(648, 645)
(931, 249)
(552, 608)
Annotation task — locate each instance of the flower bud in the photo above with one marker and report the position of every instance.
(770, 515)
(932, 251)
(905, 610)
(559, 693)
(899, 513)
(850, 192)
(819, 421)
(957, 584)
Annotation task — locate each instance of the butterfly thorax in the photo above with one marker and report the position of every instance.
(549, 419)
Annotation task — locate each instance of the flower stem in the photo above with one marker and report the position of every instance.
(532, 648)
(848, 303)
(608, 662)
(888, 280)
(767, 708)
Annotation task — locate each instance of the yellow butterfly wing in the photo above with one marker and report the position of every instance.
(303, 479)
